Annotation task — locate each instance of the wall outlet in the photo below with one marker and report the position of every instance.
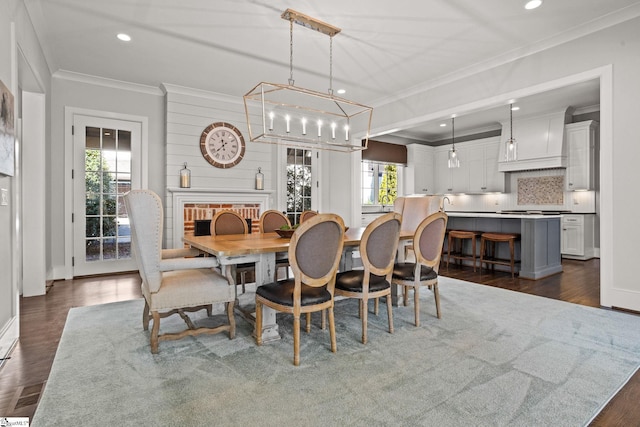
(4, 197)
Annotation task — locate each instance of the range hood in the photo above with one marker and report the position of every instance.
(540, 142)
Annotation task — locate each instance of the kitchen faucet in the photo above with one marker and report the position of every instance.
(442, 203)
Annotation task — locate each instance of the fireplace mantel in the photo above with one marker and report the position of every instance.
(178, 197)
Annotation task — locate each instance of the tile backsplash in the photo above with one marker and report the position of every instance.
(541, 190)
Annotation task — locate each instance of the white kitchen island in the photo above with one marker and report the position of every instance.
(539, 247)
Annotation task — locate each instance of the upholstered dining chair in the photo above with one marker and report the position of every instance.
(230, 222)
(314, 253)
(271, 220)
(305, 215)
(171, 283)
(427, 246)
(378, 248)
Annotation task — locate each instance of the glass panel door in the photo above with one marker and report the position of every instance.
(102, 175)
(299, 182)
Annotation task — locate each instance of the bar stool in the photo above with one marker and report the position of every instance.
(491, 239)
(456, 241)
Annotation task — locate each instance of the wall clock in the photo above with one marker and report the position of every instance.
(222, 145)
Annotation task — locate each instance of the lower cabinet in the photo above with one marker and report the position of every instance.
(578, 236)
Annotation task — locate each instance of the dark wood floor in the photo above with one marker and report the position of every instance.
(42, 320)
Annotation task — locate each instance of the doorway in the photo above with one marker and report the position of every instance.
(106, 166)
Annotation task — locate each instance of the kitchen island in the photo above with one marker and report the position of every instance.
(538, 250)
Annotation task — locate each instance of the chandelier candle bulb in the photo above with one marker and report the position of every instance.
(304, 126)
(319, 128)
(346, 132)
(271, 120)
(333, 130)
(288, 119)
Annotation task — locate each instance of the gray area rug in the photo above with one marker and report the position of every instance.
(496, 358)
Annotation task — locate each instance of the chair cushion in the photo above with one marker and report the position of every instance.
(282, 293)
(352, 281)
(404, 271)
(190, 288)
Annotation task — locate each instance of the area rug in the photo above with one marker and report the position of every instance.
(496, 358)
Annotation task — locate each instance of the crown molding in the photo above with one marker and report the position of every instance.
(102, 81)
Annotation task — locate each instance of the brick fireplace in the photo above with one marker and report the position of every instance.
(187, 205)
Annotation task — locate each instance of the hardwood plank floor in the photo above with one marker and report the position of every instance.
(42, 320)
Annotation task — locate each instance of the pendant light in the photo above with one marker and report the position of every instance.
(511, 148)
(454, 161)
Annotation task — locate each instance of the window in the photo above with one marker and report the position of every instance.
(379, 183)
(299, 179)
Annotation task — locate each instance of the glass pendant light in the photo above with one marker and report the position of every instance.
(454, 161)
(511, 148)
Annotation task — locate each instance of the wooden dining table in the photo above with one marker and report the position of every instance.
(261, 248)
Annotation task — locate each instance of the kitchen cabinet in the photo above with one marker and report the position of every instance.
(420, 169)
(478, 171)
(581, 139)
(578, 236)
(484, 176)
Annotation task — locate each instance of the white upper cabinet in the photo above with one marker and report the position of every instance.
(419, 173)
(478, 171)
(581, 139)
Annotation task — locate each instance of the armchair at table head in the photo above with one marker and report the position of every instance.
(170, 284)
(314, 253)
(378, 249)
(427, 244)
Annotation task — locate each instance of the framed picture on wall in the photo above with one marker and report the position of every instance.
(7, 131)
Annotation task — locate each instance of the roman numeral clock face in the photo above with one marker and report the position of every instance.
(222, 145)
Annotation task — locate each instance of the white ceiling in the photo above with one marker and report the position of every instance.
(385, 48)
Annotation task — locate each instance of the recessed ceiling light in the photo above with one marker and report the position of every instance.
(342, 91)
(514, 108)
(442, 125)
(124, 37)
(533, 4)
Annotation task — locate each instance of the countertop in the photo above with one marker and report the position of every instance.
(501, 215)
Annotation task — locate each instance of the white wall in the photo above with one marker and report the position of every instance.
(101, 95)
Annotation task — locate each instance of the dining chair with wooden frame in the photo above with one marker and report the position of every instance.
(314, 253)
(305, 215)
(230, 222)
(271, 220)
(378, 248)
(427, 246)
(173, 281)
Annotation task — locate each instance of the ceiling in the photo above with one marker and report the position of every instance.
(384, 49)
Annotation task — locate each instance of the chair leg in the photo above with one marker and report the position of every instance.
(323, 321)
(258, 327)
(364, 310)
(416, 303)
(512, 252)
(145, 316)
(332, 330)
(154, 332)
(232, 320)
(308, 321)
(376, 306)
(296, 340)
(389, 314)
(436, 296)
(209, 310)
(405, 295)
(243, 280)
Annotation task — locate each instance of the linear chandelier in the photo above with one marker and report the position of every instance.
(294, 116)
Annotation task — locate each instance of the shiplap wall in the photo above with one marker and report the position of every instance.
(188, 113)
